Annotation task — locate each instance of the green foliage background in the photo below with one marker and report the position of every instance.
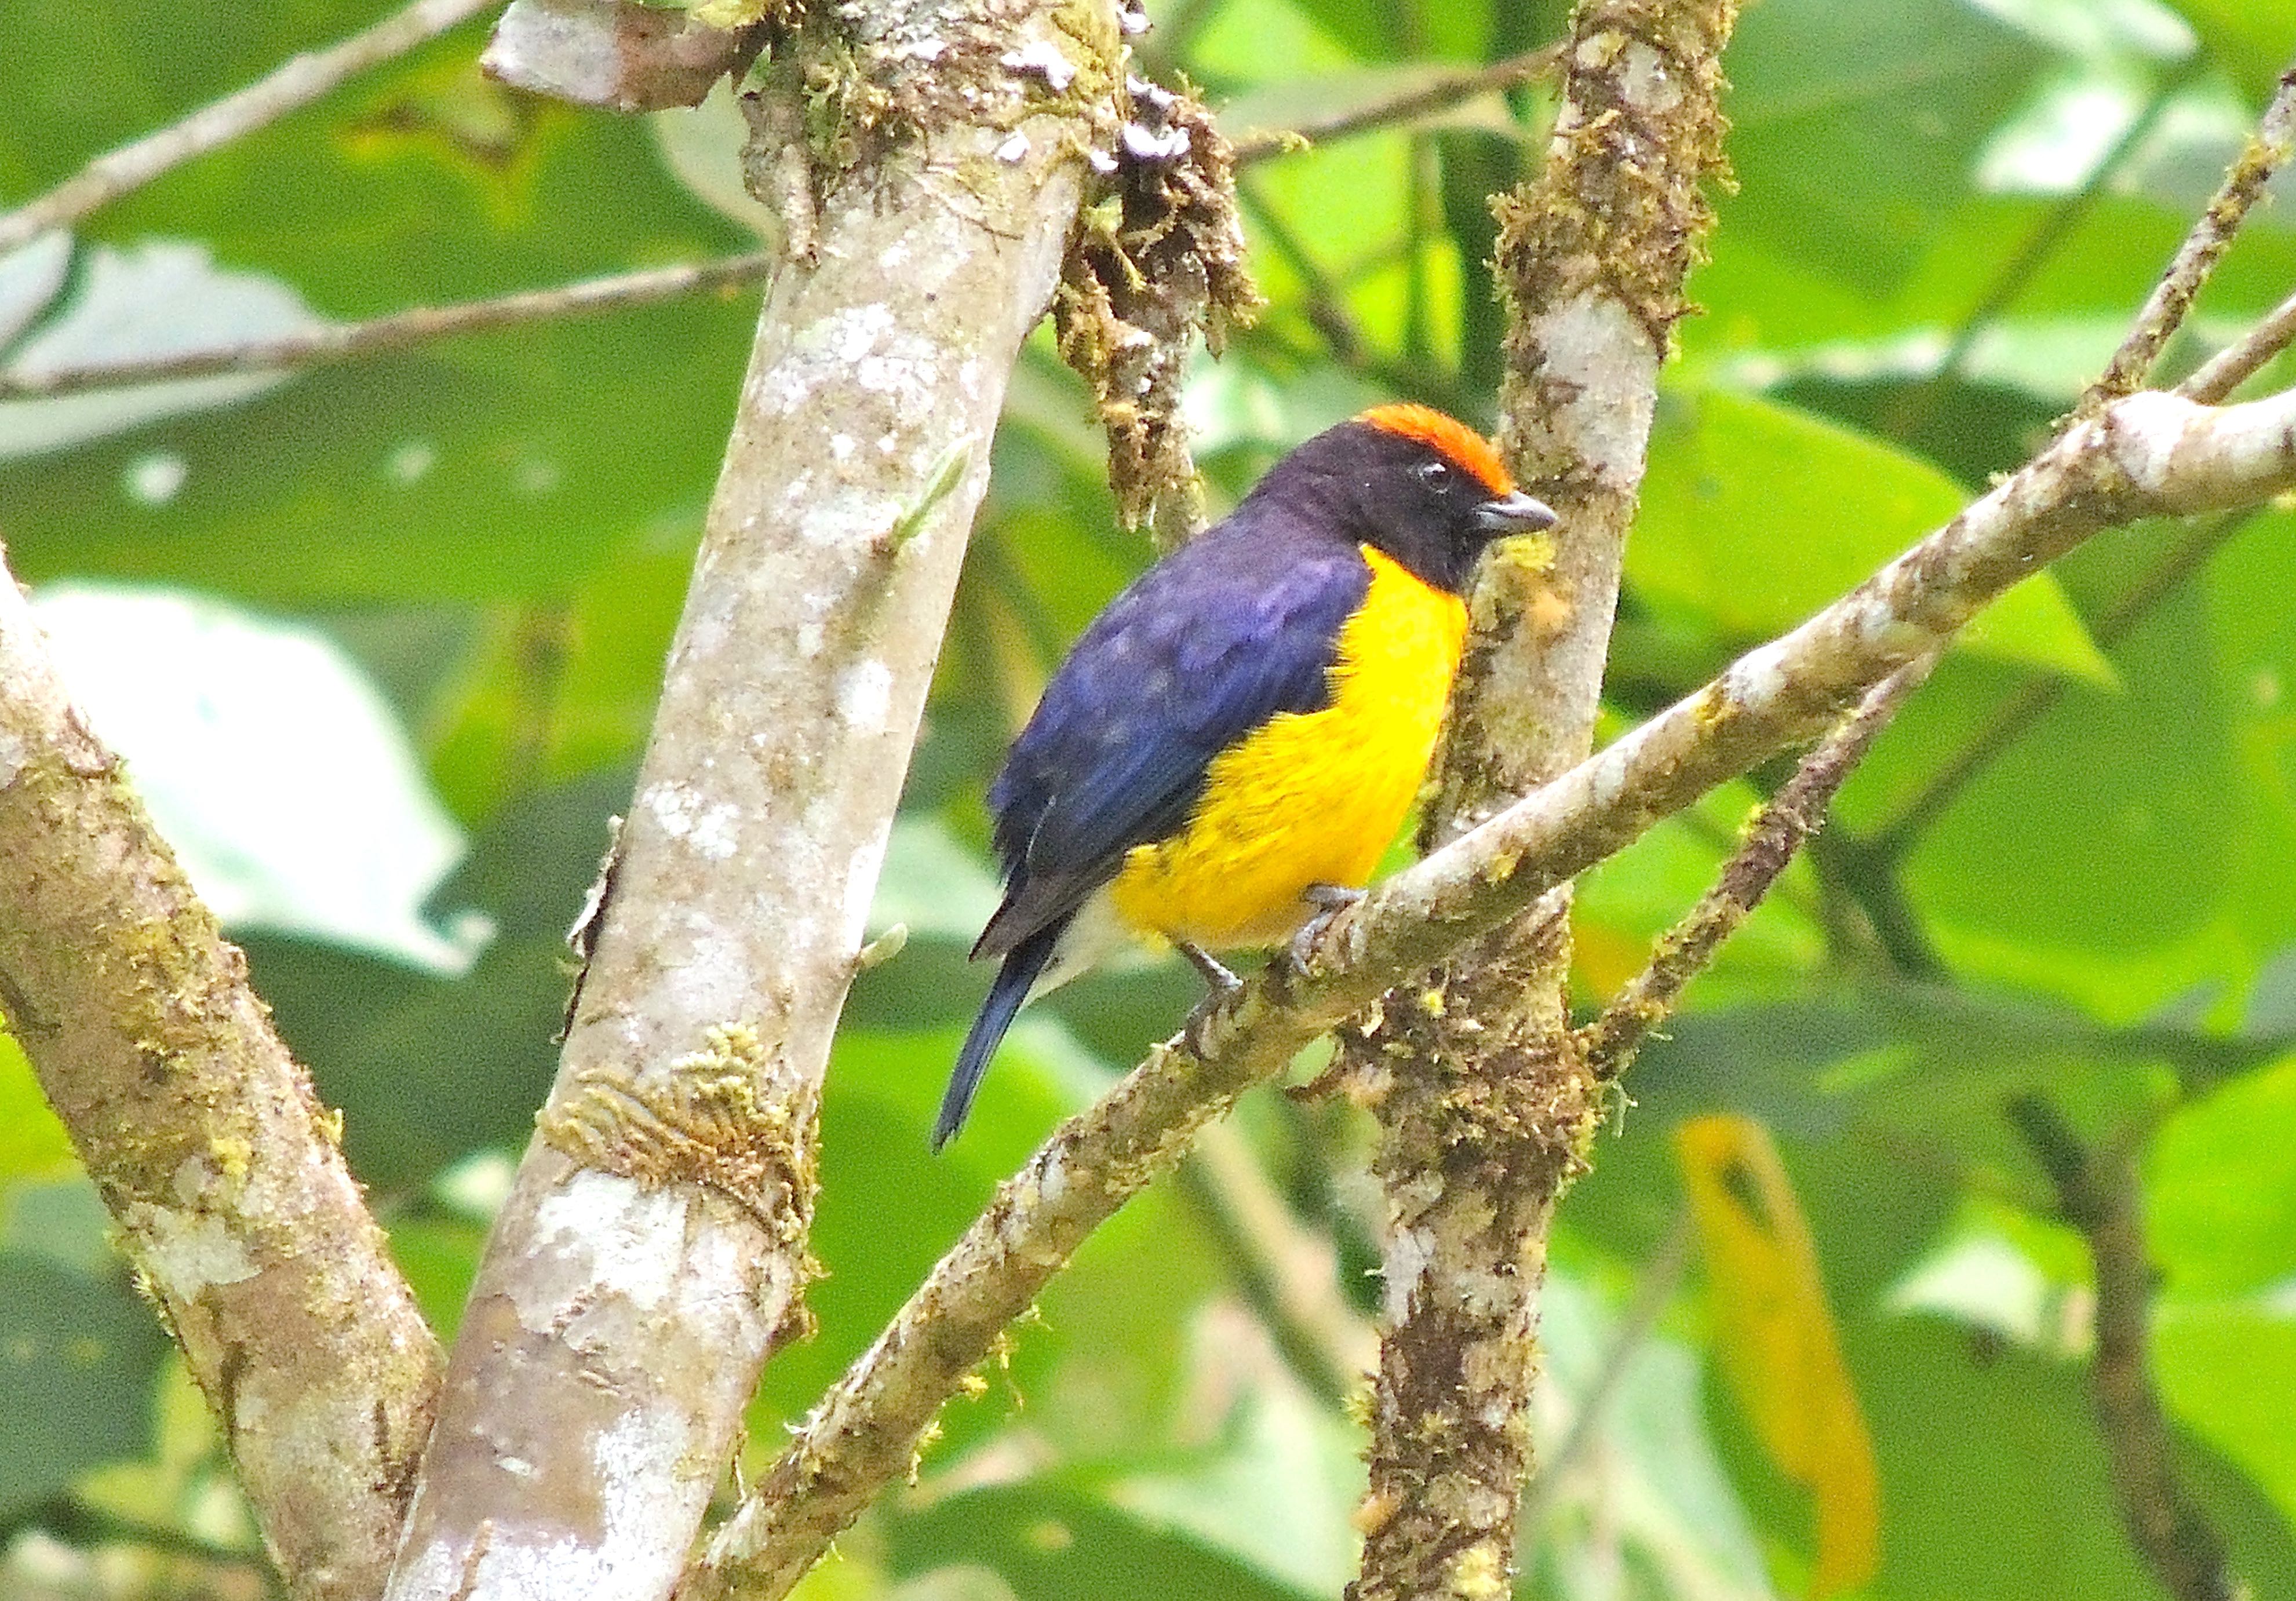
(495, 532)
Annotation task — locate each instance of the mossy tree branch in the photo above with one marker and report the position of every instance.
(205, 1140)
(1484, 1102)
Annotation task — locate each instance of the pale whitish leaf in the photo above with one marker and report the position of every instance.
(270, 762)
(1983, 1281)
(2054, 145)
(1650, 1480)
(1229, 403)
(2050, 358)
(2112, 30)
(930, 884)
(160, 298)
(702, 146)
(1278, 1499)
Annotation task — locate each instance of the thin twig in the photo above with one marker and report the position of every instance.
(2098, 1192)
(1773, 837)
(2164, 309)
(296, 84)
(350, 342)
(2216, 378)
(1440, 95)
(1652, 1295)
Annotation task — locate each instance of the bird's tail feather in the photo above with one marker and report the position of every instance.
(1022, 966)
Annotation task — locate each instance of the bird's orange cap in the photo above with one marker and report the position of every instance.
(1455, 440)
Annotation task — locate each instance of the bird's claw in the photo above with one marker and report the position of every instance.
(1329, 900)
(1215, 972)
(1220, 983)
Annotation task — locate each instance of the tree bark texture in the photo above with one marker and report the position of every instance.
(654, 1249)
(216, 1161)
(1485, 1106)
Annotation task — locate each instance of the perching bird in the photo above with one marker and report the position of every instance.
(1232, 743)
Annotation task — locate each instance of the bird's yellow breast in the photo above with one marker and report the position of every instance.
(1308, 798)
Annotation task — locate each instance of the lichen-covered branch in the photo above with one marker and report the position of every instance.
(653, 1248)
(1778, 831)
(218, 1162)
(302, 80)
(1484, 1103)
(2098, 1192)
(2146, 455)
(1157, 261)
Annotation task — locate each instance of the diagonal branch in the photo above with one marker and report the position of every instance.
(2215, 379)
(1783, 825)
(2146, 455)
(302, 79)
(216, 1161)
(2196, 258)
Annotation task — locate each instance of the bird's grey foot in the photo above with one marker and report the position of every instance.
(1328, 899)
(1216, 975)
(1220, 983)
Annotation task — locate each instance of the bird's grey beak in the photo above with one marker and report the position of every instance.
(1514, 513)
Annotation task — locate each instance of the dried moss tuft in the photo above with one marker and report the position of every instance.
(700, 1121)
(1157, 257)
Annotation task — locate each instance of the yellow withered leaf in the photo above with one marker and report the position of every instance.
(1774, 1338)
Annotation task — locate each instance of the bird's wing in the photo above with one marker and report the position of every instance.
(1239, 625)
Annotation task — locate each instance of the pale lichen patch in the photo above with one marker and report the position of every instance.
(188, 1252)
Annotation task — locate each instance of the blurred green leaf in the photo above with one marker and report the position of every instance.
(1901, 94)
(423, 1069)
(162, 298)
(2103, 828)
(1050, 1544)
(77, 1357)
(33, 1145)
(1276, 1498)
(2220, 1187)
(1757, 516)
(2249, 38)
(2228, 1372)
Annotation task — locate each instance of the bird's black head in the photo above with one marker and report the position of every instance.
(1428, 490)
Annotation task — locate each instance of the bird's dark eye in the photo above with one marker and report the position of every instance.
(1435, 475)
